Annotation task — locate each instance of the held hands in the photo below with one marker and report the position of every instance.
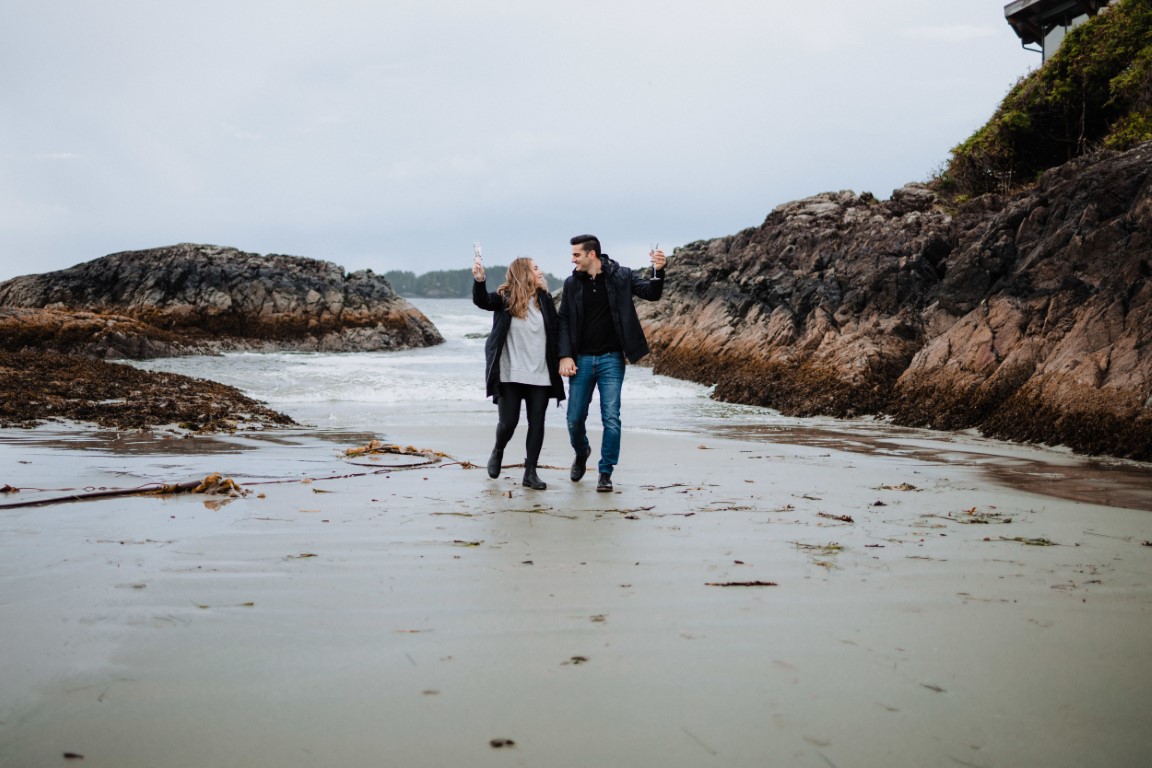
(567, 366)
(478, 271)
(658, 259)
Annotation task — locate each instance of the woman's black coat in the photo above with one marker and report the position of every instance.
(501, 322)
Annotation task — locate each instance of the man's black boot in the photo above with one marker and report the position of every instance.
(580, 464)
(530, 478)
(495, 461)
(604, 484)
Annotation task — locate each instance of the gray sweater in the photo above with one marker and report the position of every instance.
(523, 360)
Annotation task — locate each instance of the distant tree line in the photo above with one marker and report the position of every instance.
(449, 283)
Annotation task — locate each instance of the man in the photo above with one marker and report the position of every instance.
(598, 330)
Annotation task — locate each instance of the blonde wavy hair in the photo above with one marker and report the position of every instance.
(519, 287)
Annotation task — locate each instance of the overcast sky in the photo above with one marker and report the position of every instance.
(391, 134)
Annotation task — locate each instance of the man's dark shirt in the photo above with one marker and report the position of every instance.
(625, 286)
(598, 337)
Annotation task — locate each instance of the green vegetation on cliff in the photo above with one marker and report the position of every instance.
(1095, 91)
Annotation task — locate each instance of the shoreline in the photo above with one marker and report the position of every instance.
(414, 617)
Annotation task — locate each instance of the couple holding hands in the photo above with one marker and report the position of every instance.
(532, 345)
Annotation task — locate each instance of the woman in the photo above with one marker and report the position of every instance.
(522, 364)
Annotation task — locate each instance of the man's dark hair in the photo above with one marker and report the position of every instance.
(590, 243)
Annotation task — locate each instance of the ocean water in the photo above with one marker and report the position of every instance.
(441, 385)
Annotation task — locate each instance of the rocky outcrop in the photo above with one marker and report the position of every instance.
(216, 298)
(40, 386)
(89, 334)
(1029, 318)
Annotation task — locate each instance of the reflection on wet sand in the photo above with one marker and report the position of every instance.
(1093, 480)
(1042, 471)
(175, 444)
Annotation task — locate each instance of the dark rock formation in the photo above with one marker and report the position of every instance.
(40, 386)
(89, 334)
(1029, 317)
(221, 298)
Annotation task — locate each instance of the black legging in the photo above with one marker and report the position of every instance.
(536, 398)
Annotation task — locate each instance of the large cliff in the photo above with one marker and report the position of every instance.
(203, 297)
(1027, 317)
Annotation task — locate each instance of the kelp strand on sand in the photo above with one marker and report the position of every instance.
(217, 484)
(212, 484)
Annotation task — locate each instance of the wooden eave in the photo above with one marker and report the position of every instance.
(1032, 20)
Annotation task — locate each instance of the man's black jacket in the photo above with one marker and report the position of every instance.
(622, 284)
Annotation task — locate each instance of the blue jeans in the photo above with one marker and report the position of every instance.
(604, 373)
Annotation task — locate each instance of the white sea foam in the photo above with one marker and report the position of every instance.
(436, 385)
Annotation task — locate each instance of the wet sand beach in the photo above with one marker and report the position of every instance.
(744, 599)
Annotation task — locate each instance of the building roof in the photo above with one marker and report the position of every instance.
(1033, 19)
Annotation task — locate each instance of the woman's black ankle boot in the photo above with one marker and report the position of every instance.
(495, 461)
(530, 478)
